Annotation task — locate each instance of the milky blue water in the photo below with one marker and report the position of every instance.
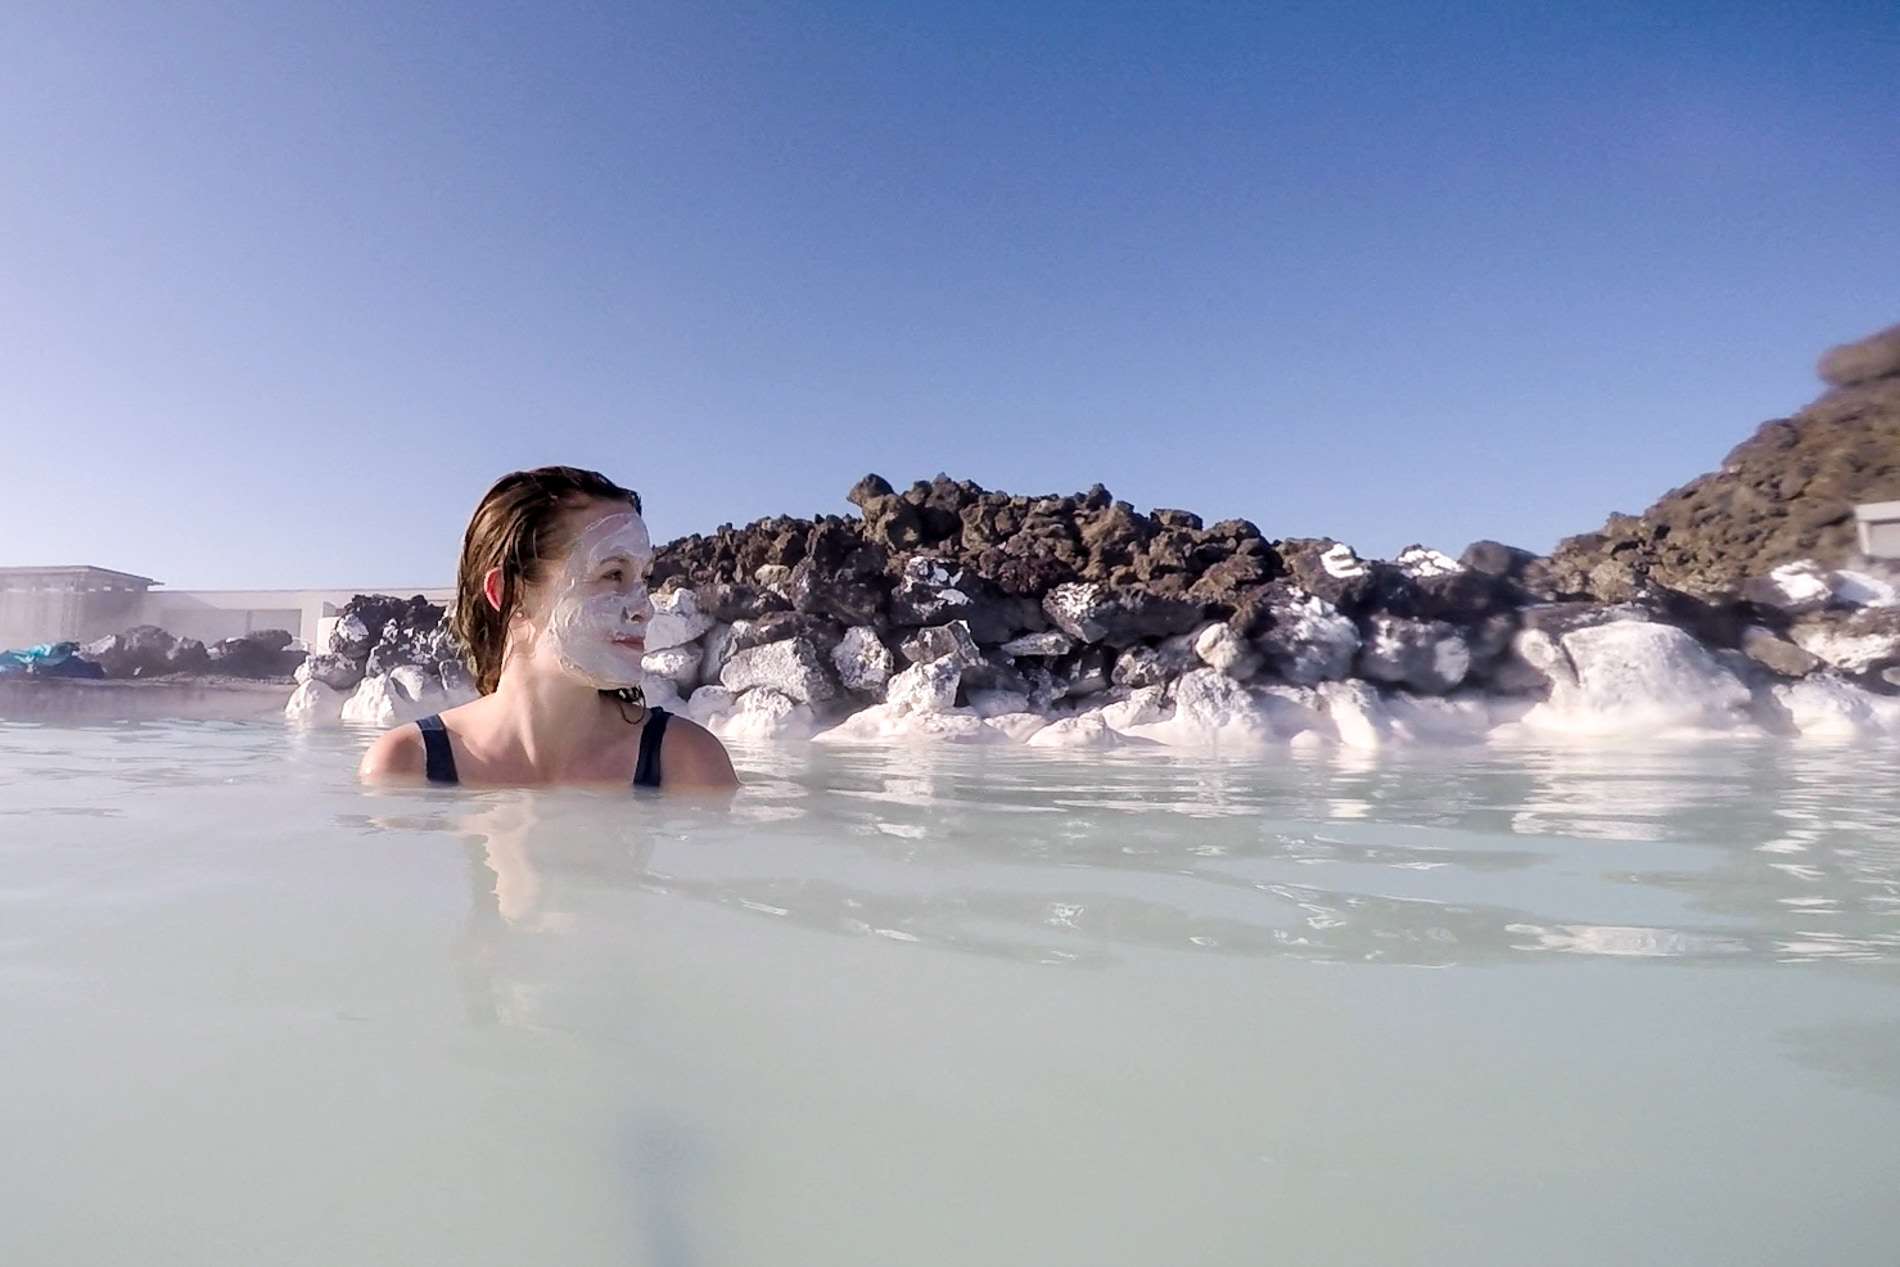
(950, 1007)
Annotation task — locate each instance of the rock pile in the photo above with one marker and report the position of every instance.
(389, 660)
(952, 611)
(145, 651)
(1786, 493)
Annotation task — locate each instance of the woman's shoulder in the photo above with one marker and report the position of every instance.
(396, 754)
(692, 756)
(402, 753)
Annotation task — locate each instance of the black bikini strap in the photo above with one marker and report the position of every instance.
(439, 757)
(646, 773)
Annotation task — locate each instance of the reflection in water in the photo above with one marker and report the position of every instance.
(1758, 854)
(1864, 1055)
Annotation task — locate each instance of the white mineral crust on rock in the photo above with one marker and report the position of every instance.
(1825, 706)
(679, 665)
(1640, 678)
(1310, 641)
(863, 662)
(1358, 714)
(710, 703)
(1855, 653)
(394, 698)
(1017, 727)
(676, 620)
(1863, 589)
(1143, 708)
(930, 687)
(314, 704)
(766, 714)
(790, 667)
(1087, 732)
(1219, 647)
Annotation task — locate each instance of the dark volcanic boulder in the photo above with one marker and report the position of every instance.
(263, 654)
(931, 590)
(1494, 558)
(404, 644)
(1080, 673)
(1223, 584)
(1333, 571)
(995, 671)
(952, 641)
(189, 656)
(141, 651)
(728, 601)
(843, 596)
(889, 520)
(339, 673)
(1875, 357)
(1777, 654)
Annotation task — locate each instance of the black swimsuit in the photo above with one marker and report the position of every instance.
(441, 758)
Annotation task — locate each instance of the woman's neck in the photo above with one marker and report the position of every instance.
(550, 717)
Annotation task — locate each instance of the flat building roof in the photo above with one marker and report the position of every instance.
(77, 571)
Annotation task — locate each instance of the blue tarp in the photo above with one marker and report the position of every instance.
(49, 659)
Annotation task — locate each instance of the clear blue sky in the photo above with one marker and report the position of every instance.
(283, 287)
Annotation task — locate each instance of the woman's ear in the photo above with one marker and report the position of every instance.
(491, 587)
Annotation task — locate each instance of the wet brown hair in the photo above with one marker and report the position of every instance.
(516, 528)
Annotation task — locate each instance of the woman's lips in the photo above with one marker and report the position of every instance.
(637, 644)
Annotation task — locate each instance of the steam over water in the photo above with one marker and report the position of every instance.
(973, 1006)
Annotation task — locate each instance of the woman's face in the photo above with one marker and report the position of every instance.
(592, 611)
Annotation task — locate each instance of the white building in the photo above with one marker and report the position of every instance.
(79, 603)
(309, 615)
(1879, 524)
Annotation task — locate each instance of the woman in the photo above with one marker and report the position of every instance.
(551, 602)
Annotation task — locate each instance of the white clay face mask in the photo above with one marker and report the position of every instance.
(597, 624)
